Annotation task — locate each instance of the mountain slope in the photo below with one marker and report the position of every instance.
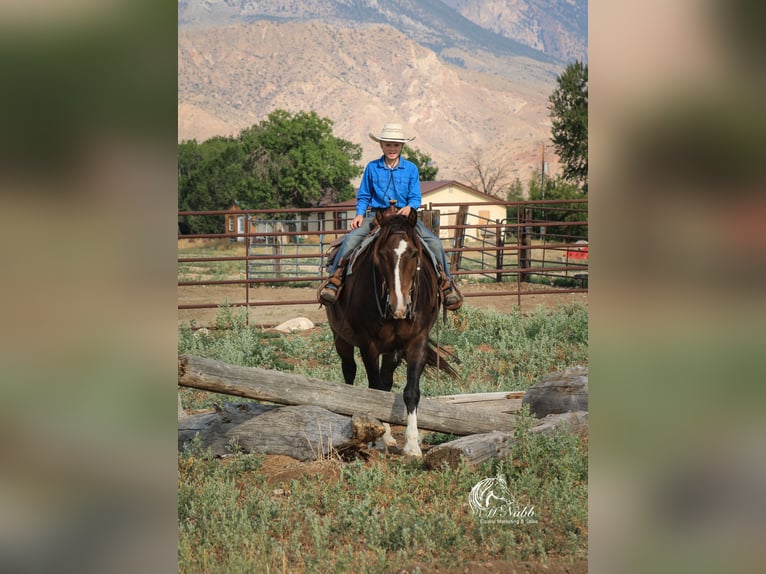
(432, 23)
(232, 77)
(558, 28)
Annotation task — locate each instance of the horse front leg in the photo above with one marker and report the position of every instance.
(347, 363)
(390, 362)
(416, 361)
(371, 359)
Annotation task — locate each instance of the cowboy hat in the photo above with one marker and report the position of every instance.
(391, 133)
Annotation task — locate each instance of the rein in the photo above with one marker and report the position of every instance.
(381, 312)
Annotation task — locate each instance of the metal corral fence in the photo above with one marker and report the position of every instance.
(540, 247)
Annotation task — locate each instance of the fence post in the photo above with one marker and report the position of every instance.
(499, 252)
(431, 219)
(524, 241)
(460, 219)
(276, 249)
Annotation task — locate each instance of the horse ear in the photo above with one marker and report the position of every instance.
(379, 216)
(412, 218)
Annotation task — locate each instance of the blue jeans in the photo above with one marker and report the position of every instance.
(355, 237)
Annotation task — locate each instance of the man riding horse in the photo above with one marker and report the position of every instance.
(389, 180)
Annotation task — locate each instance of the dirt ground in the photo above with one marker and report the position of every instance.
(476, 295)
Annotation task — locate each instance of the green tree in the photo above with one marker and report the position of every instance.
(285, 161)
(426, 166)
(295, 161)
(515, 193)
(210, 177)
(568, 106)
(560, 189)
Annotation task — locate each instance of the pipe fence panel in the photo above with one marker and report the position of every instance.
(540, 247)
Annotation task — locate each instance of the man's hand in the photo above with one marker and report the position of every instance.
(357, 221)
(405, 211)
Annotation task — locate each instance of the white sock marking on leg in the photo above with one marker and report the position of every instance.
(401, 248)
(411, 438)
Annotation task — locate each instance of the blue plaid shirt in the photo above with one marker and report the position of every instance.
(380, 184)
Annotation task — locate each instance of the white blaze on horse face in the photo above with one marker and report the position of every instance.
(411, 446)
(401, 306)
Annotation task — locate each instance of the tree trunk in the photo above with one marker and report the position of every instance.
(292, 389)
(301, 432)
(476, 449)
(559, 392)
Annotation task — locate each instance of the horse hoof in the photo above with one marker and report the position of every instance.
(387, 437)
(414, 452)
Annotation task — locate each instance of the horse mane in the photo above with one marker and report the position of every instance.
(396, 224)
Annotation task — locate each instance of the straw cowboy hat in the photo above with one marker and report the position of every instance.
(391, 133)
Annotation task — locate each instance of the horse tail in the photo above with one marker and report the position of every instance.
(437, 358)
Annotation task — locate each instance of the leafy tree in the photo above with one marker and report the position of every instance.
(515, 193)
(560, 189)
(568, 106)
(210, 177)
(427, 168)
(285, 161)
(295, 161)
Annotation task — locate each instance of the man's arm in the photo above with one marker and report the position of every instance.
(363, 196)
(414, 197)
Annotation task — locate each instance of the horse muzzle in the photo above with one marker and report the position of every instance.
(402, 311)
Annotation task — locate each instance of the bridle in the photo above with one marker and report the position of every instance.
(383, 298)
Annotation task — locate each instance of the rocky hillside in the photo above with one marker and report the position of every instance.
(547, 30)
(456, 86)
(557, 28)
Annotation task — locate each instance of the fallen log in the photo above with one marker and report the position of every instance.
(301, 432)
(559, 392)
(292, 389)
(476, 449)
(498, 401)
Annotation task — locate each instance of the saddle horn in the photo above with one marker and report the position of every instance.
(391, 210)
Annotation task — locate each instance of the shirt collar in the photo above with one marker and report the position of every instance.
(382, 163)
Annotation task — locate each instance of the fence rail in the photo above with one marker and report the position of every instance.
(538, 243)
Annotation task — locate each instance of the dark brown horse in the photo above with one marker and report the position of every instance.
(387, 307)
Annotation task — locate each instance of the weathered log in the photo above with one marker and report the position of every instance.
(559, 392)
(292, 389)
(498, 401)
(301, 432)
(476, 449)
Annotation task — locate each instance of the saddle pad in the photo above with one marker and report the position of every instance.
(366, 242)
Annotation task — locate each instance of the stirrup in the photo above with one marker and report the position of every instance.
(452, 297)
(328, 294)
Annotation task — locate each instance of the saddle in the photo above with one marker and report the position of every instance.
(346, 264)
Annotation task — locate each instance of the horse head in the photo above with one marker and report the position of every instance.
(397, 257)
